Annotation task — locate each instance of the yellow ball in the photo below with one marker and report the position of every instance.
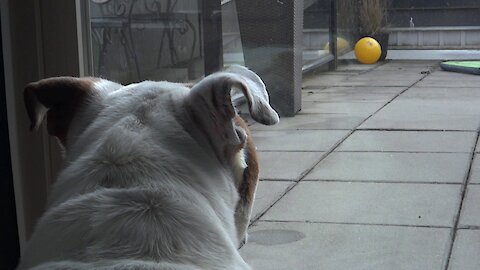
(368, 50)
(342, 45)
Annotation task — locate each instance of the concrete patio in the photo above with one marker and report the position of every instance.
(378, 171)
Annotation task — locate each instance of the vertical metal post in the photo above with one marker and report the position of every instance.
(333, 35)
(212, 31)
(271, 33)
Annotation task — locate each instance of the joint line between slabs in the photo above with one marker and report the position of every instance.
(453, 233)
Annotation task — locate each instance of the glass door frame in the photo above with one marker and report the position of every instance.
(40, 39)
(332, 59)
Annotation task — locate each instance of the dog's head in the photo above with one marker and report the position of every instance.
(88, 114)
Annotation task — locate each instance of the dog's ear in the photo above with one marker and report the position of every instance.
(211, 106)
(58, 99)
(214, 93)
(256, 95)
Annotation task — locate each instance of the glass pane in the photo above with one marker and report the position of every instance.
(134, 40)
(347, 25)
(375, 163)
(316, 32)
(232, 43)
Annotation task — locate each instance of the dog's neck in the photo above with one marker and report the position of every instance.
(125, 157)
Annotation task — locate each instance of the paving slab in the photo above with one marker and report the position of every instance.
(392, 167)
(450, 79)
(359, 89)
(355, 66)
(465, 251)
(457, 95)
(267, 193)
(447, 82)
(314, 122)
(286, 165)
(298, 140)
(425, 115)
(353, 94)
(406, 72)
(475, 171)
(412, 63)
(447, 74)
(361, 79)
(368, 203)
(470, 215)
(339, 72)
(410, 141)
(372, 83)
(414, 121)
(381, 82)
(323, 80)
(387, 78)
(331, 246)
(402, 68)
(433, 107)
(351, 108)
(384, 75)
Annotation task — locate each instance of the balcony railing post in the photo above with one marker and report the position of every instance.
(271, 33)
(212, 31)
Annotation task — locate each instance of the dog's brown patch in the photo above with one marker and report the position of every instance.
(59, 98)
(250, 176)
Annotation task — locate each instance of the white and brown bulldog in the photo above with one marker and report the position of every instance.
(157, 175)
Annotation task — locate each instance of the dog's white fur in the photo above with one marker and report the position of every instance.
(149, 180)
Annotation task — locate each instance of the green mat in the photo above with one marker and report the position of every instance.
(470, 67)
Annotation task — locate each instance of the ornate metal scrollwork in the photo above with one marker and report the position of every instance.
(126, 17)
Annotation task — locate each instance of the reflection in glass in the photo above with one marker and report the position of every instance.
(134, 40)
